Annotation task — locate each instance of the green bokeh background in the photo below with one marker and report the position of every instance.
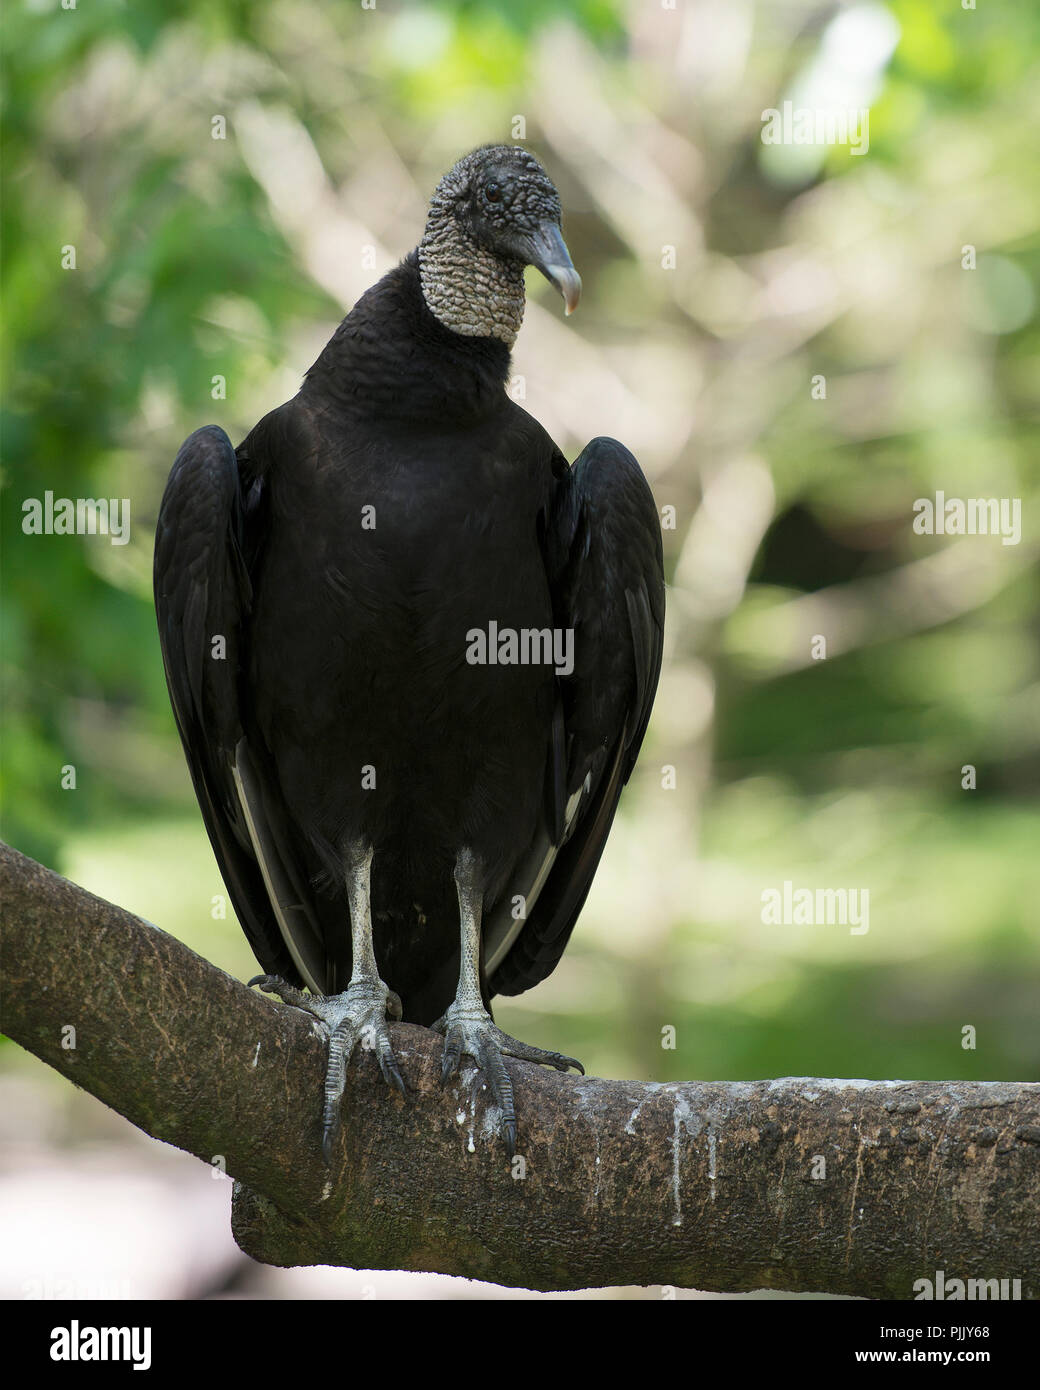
(195, 258)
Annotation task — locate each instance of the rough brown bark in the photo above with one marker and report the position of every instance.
(705, 1185)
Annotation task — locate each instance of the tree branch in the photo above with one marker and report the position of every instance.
(704, 1185)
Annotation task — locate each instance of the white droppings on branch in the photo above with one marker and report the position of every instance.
(652, 1089)
(683, 1118)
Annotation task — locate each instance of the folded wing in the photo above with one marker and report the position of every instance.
(602, 546)
(209, 530)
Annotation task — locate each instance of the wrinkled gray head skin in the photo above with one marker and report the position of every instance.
(492, 213)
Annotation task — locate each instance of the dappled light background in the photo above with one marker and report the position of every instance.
(725, 280)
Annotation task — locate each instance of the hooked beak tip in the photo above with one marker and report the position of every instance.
(568, 282)
(549, 253)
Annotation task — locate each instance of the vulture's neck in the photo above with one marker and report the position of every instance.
(393, 356)
(467, 287)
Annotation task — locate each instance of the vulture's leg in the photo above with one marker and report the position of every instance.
(360, 1013)
(467, 1026)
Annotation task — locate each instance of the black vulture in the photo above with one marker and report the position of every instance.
(412, 652)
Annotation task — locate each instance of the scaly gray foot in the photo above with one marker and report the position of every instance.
(473, 1033)
(359, 1014)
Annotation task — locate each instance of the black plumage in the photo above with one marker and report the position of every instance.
(318, 590)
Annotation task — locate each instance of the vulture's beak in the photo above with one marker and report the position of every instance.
(550, 255)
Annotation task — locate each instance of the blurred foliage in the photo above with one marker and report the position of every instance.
(199, 257)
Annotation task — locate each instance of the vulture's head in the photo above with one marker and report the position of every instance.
(493, 213)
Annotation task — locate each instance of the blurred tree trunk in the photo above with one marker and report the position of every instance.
(831, 1186)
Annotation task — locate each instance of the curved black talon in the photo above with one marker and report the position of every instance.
(328, 1139)
(509, 1136)
(359, 1014)
(473, 1033)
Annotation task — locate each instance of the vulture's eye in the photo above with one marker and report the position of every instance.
(492, 193)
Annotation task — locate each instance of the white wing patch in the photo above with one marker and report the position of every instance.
(307, 951)
(496, 951)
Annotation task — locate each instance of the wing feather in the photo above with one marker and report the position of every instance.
(203, 593)
(605, 568)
